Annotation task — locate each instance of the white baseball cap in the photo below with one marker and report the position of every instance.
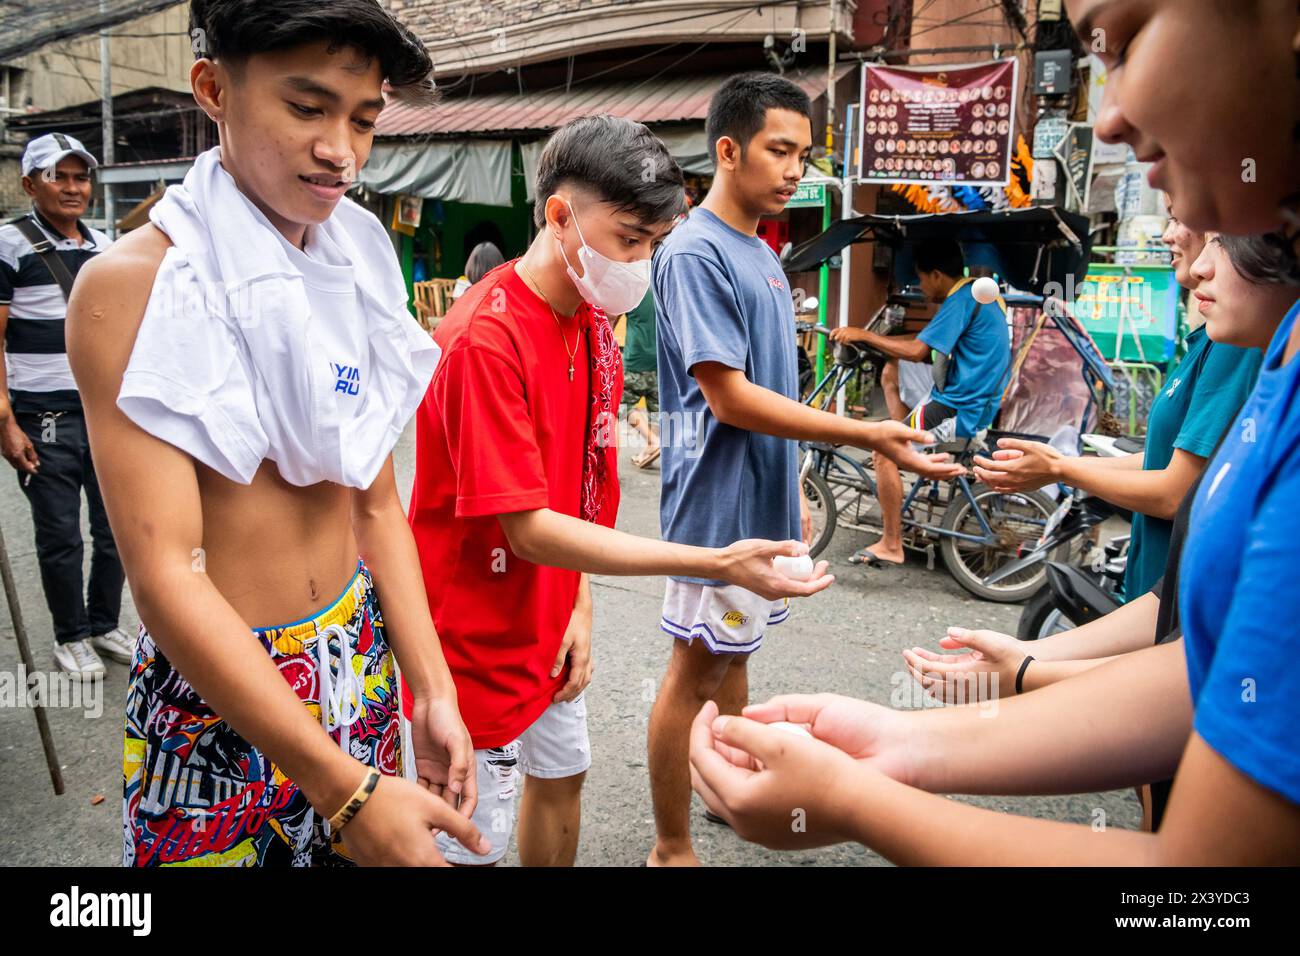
(46, 151)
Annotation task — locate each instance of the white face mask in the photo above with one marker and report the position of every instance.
(613, 287)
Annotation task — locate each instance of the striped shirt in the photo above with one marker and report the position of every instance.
(36, 358)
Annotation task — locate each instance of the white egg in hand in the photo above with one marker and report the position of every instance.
(800, 568)
(984, 289)
(797, 729)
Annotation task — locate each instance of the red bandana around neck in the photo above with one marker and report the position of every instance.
(600, 491)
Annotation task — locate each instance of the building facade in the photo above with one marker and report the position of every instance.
(62, 80)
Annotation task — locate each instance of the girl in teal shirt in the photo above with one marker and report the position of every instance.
(1190, 412)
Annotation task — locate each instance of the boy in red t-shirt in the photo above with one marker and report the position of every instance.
(516, 486)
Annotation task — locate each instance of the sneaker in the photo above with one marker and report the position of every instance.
(116, 644)
(78, 659)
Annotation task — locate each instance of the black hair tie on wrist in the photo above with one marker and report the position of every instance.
(1020, 674)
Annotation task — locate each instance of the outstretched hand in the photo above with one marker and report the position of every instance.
(797, 799)
(789, 791)
(897, 442)
(865, 731)
(1019, 465)
(749, 564)
(956, 678)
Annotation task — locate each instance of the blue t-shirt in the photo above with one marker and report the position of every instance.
(721, 296)
(1239, 587)
(976, 337)
(1190, 412)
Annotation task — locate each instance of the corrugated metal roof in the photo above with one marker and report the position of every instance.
(657, 100)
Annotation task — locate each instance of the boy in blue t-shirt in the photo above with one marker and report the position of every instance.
(731, 419)
(971, 347)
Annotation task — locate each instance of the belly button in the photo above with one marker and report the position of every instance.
(312, 585)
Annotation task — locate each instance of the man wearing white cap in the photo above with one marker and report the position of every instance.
(42, 430)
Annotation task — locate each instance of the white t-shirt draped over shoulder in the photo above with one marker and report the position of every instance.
(251, 349)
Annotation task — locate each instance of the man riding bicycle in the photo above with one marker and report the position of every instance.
(969, 349)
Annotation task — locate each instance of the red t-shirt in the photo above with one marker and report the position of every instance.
(501, 429)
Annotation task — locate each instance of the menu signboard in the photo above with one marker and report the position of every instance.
(953, 125)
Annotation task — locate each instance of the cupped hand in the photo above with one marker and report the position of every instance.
(749, 564)
(1019, 465)
(798, 800)
(986, 671)
(897, 442)
(865, 731)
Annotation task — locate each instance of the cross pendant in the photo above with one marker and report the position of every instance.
(570, 371)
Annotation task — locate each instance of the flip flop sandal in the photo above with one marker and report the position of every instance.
(714, 818)
(864, 556)
(647, 459)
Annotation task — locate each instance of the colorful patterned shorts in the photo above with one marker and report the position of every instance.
(198, 794)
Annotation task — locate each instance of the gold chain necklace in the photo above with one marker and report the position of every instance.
(572, 351)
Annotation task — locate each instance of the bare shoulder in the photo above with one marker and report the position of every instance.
(120, 276)
(109, 300)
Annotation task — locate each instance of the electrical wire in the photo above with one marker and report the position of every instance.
(32, 24)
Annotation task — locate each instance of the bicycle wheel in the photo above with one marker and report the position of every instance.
(821, 502)
(1016, 521)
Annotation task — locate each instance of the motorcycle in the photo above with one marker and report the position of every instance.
(1089, 587)
(1075, 595)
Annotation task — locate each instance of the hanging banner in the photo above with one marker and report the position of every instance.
(950, 124)
(1075, 153)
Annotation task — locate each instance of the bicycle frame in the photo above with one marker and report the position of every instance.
(825, 459)
(962, 483)
(841, 375)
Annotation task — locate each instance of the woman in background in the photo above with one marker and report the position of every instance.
(483, 258)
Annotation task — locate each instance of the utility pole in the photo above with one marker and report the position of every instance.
(106, 107)
(824, 273)
(830, 80)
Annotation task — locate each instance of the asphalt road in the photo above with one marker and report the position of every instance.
(846, 640)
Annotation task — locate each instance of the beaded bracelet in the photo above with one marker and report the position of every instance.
(355, 802)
